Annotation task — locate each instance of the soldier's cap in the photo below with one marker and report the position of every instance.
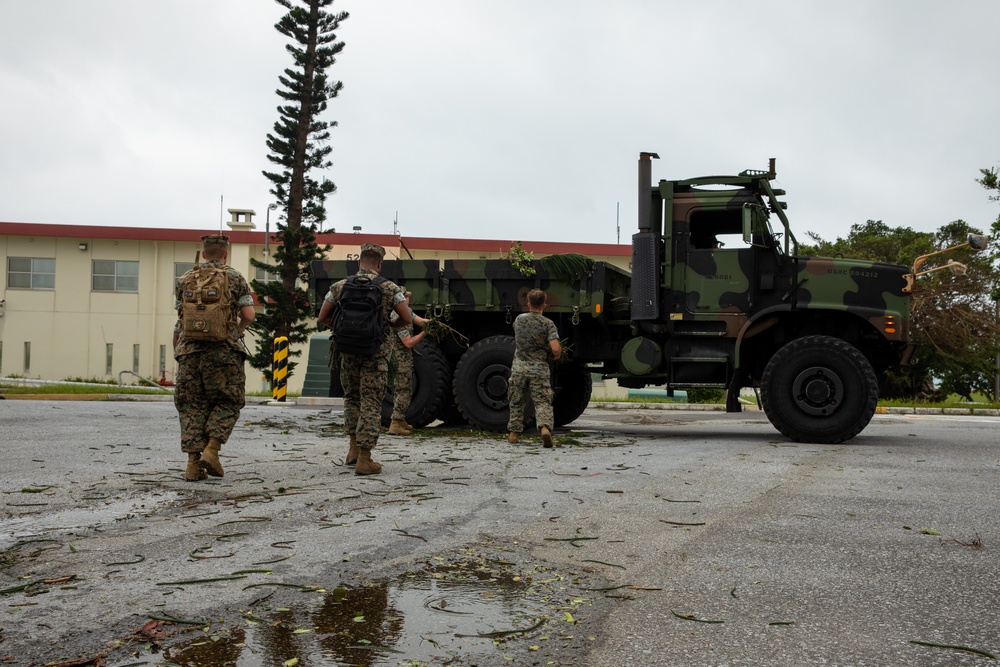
(215, 239)
(373, 247)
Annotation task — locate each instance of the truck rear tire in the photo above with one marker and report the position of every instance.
(573, 386)
(480, 383)
(431, 387)
(819, 389)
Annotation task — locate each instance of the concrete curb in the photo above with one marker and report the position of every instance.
(322, 401)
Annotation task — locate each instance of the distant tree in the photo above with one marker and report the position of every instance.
(991, 181)
(953, 318)
(298, 146)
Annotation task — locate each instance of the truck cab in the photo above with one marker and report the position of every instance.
(718, 295)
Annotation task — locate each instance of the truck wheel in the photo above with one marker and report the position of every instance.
(480, 383)
(572, 385)
(819, 389)
(431, 380)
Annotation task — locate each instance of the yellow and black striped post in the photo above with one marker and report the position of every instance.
(279, 369)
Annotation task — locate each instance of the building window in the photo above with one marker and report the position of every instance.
(163, 360)
(109, 349)
(135, 358)
(31, 273)
(115, 276)
(180, 268)
(27, 358)
(262, 276)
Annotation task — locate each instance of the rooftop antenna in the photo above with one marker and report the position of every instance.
(221, 197)
(618, 225)
(395, 225)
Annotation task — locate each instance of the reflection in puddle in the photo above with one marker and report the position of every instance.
(430, 617)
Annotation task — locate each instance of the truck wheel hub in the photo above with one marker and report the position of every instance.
(492, 386)
(818, 391)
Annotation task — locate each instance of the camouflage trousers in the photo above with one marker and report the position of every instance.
(364, 380)
(209, 394)
(535, 383)
(403, 384)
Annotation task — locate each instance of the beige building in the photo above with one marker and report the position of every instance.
(85, 302)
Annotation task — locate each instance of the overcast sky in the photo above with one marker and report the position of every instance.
(504, 119)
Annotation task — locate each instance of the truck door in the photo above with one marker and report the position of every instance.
(718, 267)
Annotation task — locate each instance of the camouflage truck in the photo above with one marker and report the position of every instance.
(716, 298)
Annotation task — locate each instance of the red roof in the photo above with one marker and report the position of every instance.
(423, 243)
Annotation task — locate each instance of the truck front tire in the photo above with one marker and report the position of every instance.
(819, 389)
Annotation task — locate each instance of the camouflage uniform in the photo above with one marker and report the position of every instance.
(403, 388)
(530, 372)
(365, 378)
(211, 380)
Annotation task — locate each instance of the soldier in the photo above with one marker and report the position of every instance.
(536, 341)
(364, 378)
(211, 379)
(402, 351)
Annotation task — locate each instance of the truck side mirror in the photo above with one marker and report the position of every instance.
(747, 224)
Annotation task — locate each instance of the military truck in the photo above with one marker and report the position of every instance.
(717, 297)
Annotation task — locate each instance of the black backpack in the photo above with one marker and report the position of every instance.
(358, 322)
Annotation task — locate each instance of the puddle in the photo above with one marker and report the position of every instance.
(432, 617)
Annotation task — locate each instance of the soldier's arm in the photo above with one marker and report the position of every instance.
(404, 313)
(402, 309)
(554, 345)
(411, 341)
(247, 315)
(325, 313)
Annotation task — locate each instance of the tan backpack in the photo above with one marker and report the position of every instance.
(206, 304)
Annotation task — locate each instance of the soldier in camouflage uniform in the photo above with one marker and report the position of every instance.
(536, 341)
(402, 351)
(211, 380)
(365, 378)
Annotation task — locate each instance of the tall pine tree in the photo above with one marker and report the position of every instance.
(298, 147)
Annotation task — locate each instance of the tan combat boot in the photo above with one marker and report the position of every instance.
(352, 451)
(210, 458)
(365, 464)
(512, 437)
(399, 427)
(546, 437)
(194, 472)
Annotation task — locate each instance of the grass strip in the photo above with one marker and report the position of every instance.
(198, 581)
(374, 647)
(269, 562)
(301, 587)
(178, 621)
(139, 559)
(601, 562)
(504, 633)
(954, 647)
(691, 617)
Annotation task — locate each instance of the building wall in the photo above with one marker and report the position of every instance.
(69, 327)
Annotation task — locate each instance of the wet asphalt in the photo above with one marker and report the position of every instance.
(650, 537)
